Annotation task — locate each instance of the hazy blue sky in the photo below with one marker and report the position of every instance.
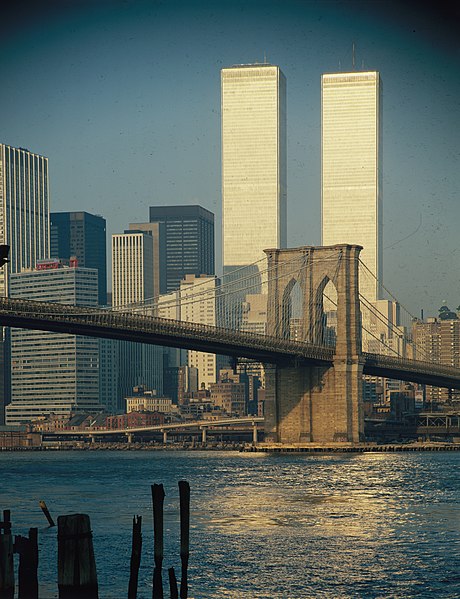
(124, 99)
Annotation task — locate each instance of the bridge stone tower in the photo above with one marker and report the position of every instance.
(315, 404)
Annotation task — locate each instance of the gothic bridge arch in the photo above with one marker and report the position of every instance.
(310, 404)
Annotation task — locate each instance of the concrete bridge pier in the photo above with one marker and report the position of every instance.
(165, 436)
(204, 430)
(254, 434)
(129, 438)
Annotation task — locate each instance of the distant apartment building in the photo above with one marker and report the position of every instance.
(438, 340)
(148, 402)
(132, 284)
(229, 394)
(53, 372)
(24, 226)
(83, 236)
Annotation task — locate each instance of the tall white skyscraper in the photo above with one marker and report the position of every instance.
(253, 162)
(24, 210)
(132, 283)
(24, 226)
(351, 168)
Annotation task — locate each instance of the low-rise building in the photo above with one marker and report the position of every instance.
(135, 419)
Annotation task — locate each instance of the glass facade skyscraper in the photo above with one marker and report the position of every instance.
(186, 243)
(351, 167)
(254, 189)
(82, 235)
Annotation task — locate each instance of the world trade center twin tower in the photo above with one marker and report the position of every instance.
(254, 165)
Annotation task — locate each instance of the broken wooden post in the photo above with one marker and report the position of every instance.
(6, 557)
(173, 584)
(45, 510)
(135, 557)
(77, 577)
(184, 499)
(27, 548)
(158, 496)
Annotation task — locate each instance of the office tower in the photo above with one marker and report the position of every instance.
(181, 305)
(24, 226)
(253, 103)
(159, 271)
(438, 340)
(204, 312)
(132, 283)
(351, 168)
(82, 235)
(186, 242)
(53, 372)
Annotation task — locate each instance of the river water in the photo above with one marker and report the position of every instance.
(262, 526)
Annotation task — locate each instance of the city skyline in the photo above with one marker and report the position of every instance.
(155, 138)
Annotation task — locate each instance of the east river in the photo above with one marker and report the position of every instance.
(262, 526)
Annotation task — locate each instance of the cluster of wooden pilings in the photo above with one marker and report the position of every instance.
(77, 575)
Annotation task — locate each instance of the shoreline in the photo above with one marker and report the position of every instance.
(244, 448)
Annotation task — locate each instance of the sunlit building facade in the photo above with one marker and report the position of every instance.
(351, 168)
(253, 105)
(132, 283)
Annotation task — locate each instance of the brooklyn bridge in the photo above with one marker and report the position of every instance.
(314, 385)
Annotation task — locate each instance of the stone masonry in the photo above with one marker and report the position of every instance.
(313, 404)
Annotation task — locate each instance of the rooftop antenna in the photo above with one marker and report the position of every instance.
(353, 55)
(265, 58)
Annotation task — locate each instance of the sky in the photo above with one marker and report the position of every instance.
(123, 97)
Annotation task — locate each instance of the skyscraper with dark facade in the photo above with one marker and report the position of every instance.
(186, 243)
(82, 235)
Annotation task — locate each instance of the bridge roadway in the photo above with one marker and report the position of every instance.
(142, 328)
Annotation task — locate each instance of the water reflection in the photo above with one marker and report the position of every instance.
(372, 525)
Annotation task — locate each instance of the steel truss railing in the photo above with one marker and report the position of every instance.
(151, 329)
(30, 314)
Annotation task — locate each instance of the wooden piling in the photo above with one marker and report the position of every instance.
(184, 499)
(77, 577)
(158, 496)
(45, 510)
(135, 557)
(27, 548)
(173, 584)
(6, 557)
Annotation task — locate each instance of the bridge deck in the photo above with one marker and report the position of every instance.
(144, 328)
